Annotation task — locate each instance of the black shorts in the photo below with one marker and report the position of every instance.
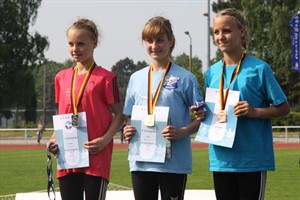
(236, 186)
(73, 185)
(147, 184)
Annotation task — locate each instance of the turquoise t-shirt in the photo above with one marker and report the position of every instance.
(253, 145)
(180, 91)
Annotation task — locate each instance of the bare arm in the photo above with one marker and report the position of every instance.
(175, 133)
(129, 130)
(199, 114)
(243, 108)
(116, 122)
(96, 145)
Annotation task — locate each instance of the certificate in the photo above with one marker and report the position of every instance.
(71, 153)
(213, 132)
(148, 144)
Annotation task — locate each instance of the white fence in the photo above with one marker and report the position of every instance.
(296, 137)
(29, 134)
(21, 135)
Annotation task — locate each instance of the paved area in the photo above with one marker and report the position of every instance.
(123, 194)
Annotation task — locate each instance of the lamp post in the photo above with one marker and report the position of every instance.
(190, 61)
(208, 33)
(44, 97)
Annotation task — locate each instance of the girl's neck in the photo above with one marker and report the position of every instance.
(159, 65)
(84, 67)
(232, 59)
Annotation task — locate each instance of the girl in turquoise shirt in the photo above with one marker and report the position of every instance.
(240, 172)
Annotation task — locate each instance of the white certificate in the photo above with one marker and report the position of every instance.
(148, 144)
(71, 153)
(213, 132)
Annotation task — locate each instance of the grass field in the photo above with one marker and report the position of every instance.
(25, 171)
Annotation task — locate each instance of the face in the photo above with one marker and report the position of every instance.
(81, 45)
(159, 47)
(227, 34)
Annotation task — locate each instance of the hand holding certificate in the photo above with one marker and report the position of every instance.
(70, 139)
(219, 125)
(148, 144)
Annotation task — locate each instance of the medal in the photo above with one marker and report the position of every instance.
(223, 94)
(76, 102)
(152, 101)
(75, 120)
(149, 120)
(222, 116)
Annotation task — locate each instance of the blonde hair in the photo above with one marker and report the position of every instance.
(87, 25)
(241, 21)
(158, 26)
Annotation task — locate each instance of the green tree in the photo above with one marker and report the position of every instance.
(183, 61)
(126, 67)
(123, 69)
(270, 38)
(20, 52)
(141, 65)
(45, 74)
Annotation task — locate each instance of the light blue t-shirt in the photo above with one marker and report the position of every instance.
(180, 90)
(253, 145)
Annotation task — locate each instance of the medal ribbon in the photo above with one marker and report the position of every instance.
(152, 102)
(223, 97)
(51, 186)
(75, 102)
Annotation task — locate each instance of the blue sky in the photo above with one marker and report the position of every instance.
(121, 23)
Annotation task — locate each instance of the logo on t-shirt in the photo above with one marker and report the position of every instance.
(171, 82)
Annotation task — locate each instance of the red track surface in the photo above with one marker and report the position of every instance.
(123, 146)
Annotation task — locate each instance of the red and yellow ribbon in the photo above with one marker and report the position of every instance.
(152, 102)
(76, 102)
(223, 97)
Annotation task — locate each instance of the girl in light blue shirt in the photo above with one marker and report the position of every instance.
(179, 92)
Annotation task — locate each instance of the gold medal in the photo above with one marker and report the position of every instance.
(149, 120)
(222, 116)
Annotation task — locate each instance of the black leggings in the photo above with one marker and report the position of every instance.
(73, 185)
(240, 186)
(147, 184)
